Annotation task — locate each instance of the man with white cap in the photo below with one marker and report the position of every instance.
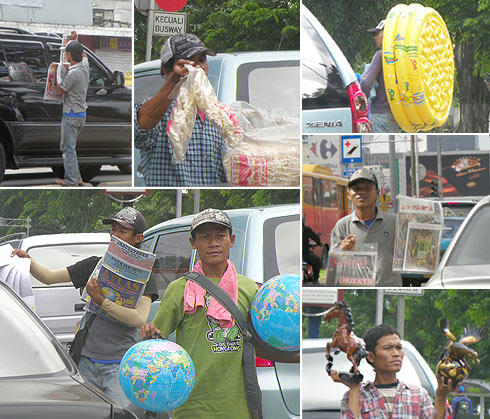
(368, 224)
(107, 341)
(203, 161)
(379, 110)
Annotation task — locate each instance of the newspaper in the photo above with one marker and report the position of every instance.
(56, 74)
(413, 210)
(122, 275)
(14, 271)
(353, 268)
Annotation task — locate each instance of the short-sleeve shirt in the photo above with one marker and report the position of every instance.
(203, 162)
(75, 84)
(219, 390)
(381, 231)
(106, 340)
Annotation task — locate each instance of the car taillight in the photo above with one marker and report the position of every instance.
(261, 362)
(359, 107)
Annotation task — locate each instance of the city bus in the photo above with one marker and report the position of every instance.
(324, 202)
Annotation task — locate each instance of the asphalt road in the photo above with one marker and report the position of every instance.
(43, 177)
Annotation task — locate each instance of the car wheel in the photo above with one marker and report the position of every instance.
(3, 161)
(125, 169)
(89, 172)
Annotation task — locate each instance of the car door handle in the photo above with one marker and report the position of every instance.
(79, 307)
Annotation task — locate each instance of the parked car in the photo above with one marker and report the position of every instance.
(266, 245)
(37, 378)
(331, 96)
(268, 80)
(59, 305)
(466, 263)
(30, 126)
(321, 396)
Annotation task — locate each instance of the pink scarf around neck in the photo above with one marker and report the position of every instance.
(194, 296)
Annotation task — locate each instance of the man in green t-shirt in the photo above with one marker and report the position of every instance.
(204, 328)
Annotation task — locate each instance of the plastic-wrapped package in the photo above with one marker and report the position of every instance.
(353, 268)
(269, 154)
(422, 247)
(415, 210)
(56, 73)
(195, 93)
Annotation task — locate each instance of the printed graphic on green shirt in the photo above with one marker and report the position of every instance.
(223, 339)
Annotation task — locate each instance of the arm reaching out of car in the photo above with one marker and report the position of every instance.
(42, 273)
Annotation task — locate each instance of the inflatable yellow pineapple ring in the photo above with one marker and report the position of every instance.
(418, 67)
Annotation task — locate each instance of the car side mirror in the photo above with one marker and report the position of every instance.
(118, 79)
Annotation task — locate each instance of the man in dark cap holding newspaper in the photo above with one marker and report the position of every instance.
(202, 164)
(368, 224)
(106, 341)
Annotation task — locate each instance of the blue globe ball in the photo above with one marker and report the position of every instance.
(157, 375)
(275, 312)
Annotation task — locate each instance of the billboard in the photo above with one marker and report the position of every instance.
(463, 174)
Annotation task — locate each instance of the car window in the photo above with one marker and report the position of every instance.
(471, 246)
(270, 86)
(61, 256)
(321, 84)
(146, 86)
(30, 350)
(281, 246)
(25, 62)
(98, 76)
(173, 252)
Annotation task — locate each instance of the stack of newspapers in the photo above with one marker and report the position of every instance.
(122, 275)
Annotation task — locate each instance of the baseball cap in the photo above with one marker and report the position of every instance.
(363, 174)
(129, 218)
(380, 27)
(185, 46)
(212, 216)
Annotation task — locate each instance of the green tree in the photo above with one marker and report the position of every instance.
(234, 25)
(468, 25)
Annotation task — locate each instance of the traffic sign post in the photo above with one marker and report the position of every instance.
(351, 149)
(168, 24)
(171, 5)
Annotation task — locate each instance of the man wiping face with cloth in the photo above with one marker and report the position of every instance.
(205, 329)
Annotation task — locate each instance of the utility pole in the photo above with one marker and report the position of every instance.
(178, 204)
(400, 316)
(379, 306)
(149, 33)
(412, 165)
(393, 173)
(439, 169)
(196, 200)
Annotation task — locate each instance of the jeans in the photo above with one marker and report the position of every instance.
(106, 378)
(384, 122)
(70, 129)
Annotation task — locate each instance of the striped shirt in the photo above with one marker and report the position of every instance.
(410, 402)
(203, 160)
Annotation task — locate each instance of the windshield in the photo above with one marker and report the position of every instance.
(30, 350)
(471, 247)
(63, 255)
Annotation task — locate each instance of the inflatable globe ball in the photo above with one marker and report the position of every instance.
(275, 312)
(157, 375)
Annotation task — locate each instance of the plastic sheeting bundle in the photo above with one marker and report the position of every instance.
(418, 67)
(269, 154)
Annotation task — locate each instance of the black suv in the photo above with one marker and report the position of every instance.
(30, 126)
